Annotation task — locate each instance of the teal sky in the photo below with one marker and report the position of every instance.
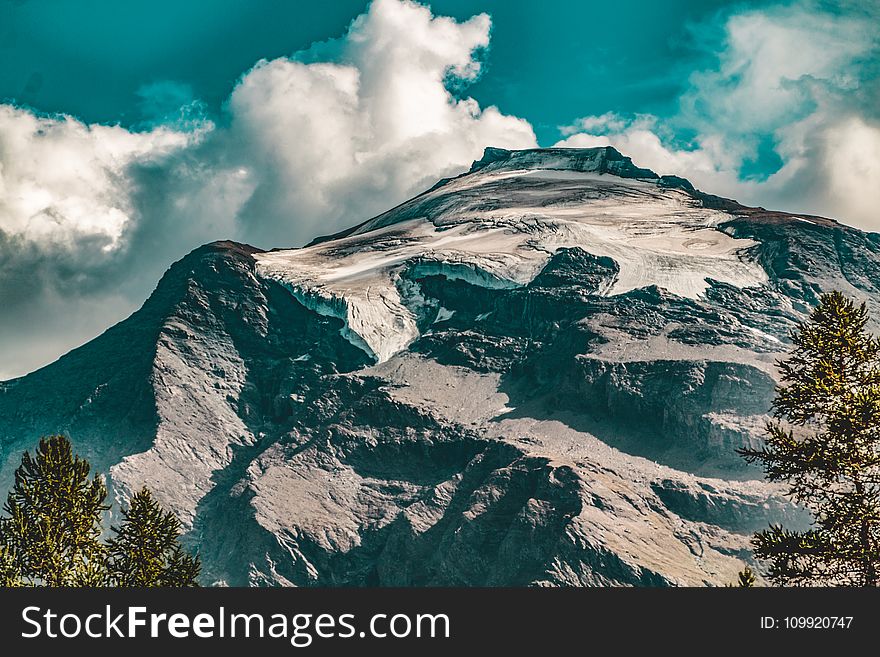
(549, 62)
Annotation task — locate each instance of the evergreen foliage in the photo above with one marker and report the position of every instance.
(825, 444)
(51, 534)
(53, 530)
(145, 550)
(746, 578)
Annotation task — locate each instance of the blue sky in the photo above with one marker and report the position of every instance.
(549, 62)
(131, 133)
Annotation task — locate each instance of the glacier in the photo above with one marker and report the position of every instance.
(498, 226)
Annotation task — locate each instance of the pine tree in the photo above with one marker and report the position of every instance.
(145, 550)
(746, 579)
(825, 444)
(52, 534)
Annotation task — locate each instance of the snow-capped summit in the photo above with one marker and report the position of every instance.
(535, 373)
(499, 224)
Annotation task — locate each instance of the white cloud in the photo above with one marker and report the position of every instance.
(852, 166)
(805, 80)
(772, 64)
(62, 181)
(379, 123)
(310, 144)
(608, 122)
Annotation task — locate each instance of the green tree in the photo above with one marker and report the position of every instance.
(53, 529)
(746, 579)
(145, 550)
(825, 445)
(52, 533)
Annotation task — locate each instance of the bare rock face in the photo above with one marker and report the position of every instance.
(536, 373)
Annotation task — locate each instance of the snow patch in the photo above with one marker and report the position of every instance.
(443, 314)
(764, 335)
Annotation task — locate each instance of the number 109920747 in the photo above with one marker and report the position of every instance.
(807, 622)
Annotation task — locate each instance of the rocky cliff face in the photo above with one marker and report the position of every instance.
(535, 373)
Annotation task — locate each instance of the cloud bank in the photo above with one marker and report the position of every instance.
(800, 83)
(90, 215)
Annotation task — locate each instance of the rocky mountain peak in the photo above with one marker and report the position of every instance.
(531, 374)
(604, 159)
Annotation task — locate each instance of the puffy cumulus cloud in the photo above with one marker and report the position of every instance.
(63, 182)
(379, 124)
(796, 77)
(90, 215)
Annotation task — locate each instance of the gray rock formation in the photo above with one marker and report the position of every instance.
(536, 373)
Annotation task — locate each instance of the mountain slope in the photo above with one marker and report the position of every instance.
(537, 372)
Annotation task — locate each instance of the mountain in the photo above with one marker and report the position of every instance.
(535, 373)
